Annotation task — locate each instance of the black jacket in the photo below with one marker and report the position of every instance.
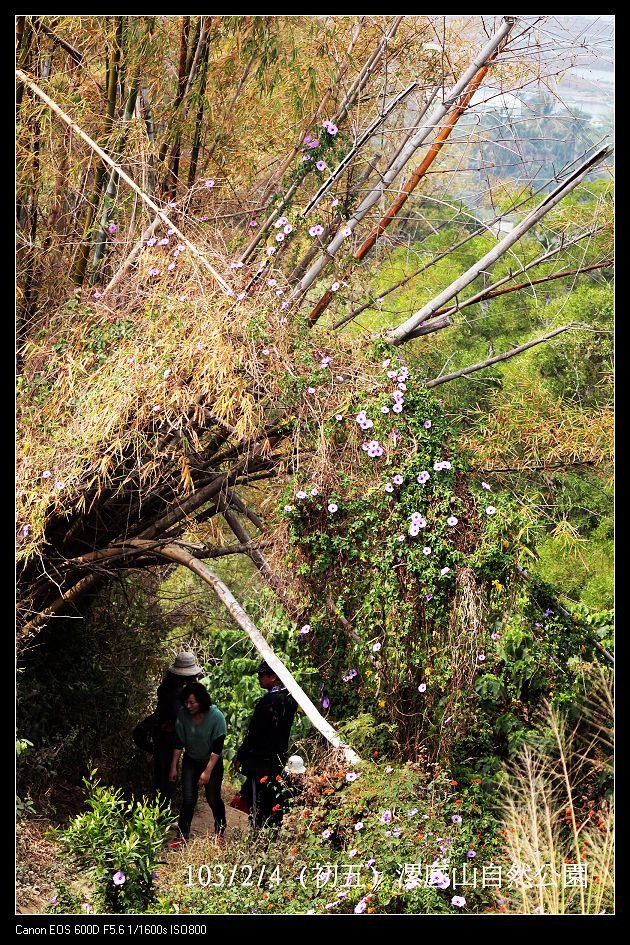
(266, 742)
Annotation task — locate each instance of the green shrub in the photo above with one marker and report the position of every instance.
(119, 843)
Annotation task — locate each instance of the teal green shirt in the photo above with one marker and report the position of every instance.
(197, 739)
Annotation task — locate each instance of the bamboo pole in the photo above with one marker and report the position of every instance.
(428, 160)
(405, 331)
(500, 357)
(405, 154)
(131, 183)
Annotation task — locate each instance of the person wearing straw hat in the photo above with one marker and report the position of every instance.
(263, 752)
(184, 669)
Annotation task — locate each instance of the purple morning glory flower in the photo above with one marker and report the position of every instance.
(397, 480)
(456, 818)
(548, 613)
(423, 477)
(439, 879)
(313, 143)
(471, 854)
(481, 657)
(422, 687)
(325, 702)
(119, 878)
(305, 629)
(386, 817)
(495, 636)
(428, 597)
(397, 408)
(427, 424)
(112, 228)
(321, 165)
(490, 510)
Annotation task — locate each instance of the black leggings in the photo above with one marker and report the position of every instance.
(191, 770)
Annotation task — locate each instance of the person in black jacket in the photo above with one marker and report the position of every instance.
(183, 670)
(263, 753)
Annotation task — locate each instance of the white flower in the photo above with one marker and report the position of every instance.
(332, 508)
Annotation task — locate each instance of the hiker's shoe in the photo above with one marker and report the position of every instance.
(238, 803)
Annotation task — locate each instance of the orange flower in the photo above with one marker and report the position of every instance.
(453, 782)
(371, 909)
(278, 777)
(293, 851)
(275, 808)
(376, 754)
(264, 778)
(458, 802)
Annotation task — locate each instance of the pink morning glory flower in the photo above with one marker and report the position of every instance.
(444, 571)
(358, 825)
(112, 228)
(376, 647)
(288, 228)
(452, 521)
(397, 480)
(164, 241)
(314, 491)
(325, 834)
(288, 508)
(490, 510)
(118, 878)
(338, 416)
(152, 241)
(209, 184)
(347, 232)
(325, 702)
(332, 508)
(306, 157)
(305, 629)
(456, 818)
(321, 165)
(311, 390)
(253, 222)
(154, 272)
(270, 250)
(46, 474)
(316, 230)
(281, 221)
(397, 408)
(171, 266)
(170, 231)
(389, 487)
(335, 287)
(414, 530)
(351, 776)
(300, 495)
(484, 485)
(471, 854)
(279, 237)
(422, 687)
(481, 657)
(495, 636)
(360, 907)
(426, 550)
(458, 901)
(272, 282)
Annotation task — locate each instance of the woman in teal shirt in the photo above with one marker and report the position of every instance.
(200, 732)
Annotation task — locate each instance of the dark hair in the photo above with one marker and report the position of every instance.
(200, 693)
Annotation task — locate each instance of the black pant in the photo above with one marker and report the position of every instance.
(191, 770)
(264, 792)
(162, 758)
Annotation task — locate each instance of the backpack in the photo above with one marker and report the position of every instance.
(144, 733)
